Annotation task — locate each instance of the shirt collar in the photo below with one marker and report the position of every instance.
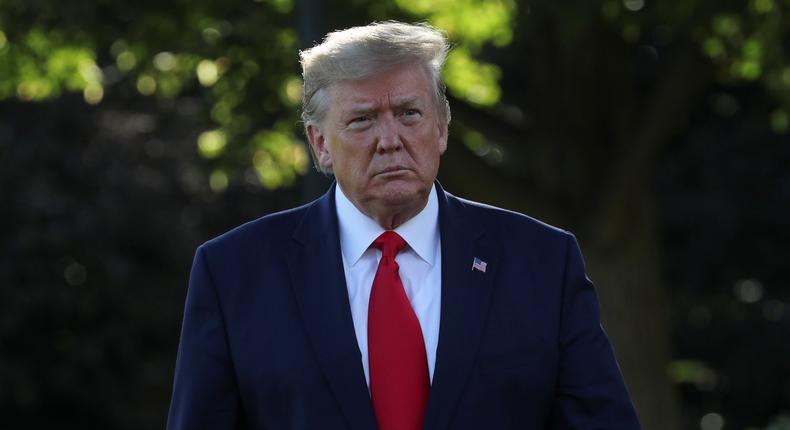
(358, 231)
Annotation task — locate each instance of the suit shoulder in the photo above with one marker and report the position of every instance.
(508, 219)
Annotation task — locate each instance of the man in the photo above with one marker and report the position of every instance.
(389, 303)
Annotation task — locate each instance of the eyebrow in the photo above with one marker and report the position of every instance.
(356, 111)
(366, 107)
(405, 101)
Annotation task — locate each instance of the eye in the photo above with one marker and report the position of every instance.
(410, 115)
(359, 122)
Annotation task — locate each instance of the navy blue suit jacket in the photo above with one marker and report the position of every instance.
(268, 341)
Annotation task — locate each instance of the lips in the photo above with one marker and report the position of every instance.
(393, 169)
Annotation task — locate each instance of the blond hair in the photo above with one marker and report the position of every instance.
(360, 52)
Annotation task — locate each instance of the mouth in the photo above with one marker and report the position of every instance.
(393, 170)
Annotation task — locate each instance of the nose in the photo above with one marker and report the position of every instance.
(388, 135)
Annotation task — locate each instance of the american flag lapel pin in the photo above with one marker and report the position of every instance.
(478, 264)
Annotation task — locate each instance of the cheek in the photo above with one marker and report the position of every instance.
(354, 161)
(431, 148)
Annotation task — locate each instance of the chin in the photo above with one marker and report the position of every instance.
(399, 193)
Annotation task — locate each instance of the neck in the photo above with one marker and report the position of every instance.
(389, 216)
(392, 221)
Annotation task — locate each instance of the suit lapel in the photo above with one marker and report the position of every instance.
(465, 299)
(319, 284)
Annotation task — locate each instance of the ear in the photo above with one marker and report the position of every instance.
(318, 143)
(443, 132)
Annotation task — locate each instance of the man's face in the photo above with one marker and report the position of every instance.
(383, 138)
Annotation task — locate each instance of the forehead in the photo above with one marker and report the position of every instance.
(403, 83)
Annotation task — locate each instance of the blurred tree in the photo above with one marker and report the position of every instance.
(562, 108)
(593, 93)
(238, 58)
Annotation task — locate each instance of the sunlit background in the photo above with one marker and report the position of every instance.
(657, 131)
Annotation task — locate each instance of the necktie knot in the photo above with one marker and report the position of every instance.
(390, 244)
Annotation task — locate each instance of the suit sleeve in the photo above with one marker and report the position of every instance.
(591, 393)
(205, 395)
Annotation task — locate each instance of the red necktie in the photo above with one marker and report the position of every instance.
(398, 364)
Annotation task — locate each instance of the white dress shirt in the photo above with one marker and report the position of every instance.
(420, 269)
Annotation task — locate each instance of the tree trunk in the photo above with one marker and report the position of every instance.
(634, 308)
(621, 249)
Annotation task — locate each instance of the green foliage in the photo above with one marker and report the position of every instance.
(471, 80)
(240, 58)
(212, 143)
(43, 63)
(242, 64)
(744, 40)
(278, 157)
(471, 24)
(690, 371)
(748, 45)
